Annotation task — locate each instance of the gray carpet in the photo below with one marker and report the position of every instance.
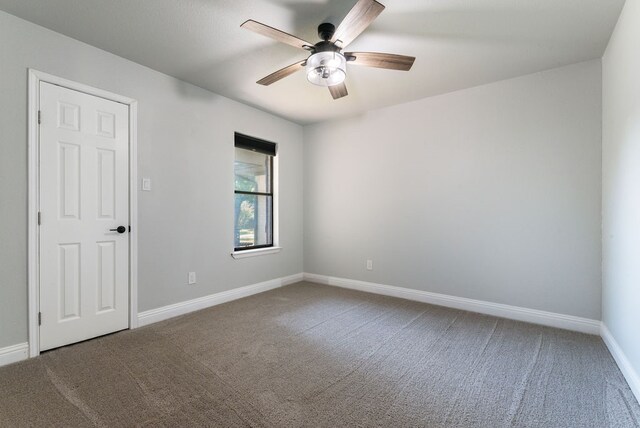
(312, 355)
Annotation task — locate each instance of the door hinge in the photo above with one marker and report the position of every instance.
(39, 318)
(39, 117)
(39, 218)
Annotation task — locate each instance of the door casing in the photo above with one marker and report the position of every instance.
(35, 77)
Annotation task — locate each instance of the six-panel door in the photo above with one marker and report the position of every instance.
(83, 188)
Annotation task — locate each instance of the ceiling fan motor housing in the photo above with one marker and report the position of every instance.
(325, 46)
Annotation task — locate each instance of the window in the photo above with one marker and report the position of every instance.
(253, 193)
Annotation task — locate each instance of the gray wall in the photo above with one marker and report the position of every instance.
(621, 186)
(185, 147)
(490, 193)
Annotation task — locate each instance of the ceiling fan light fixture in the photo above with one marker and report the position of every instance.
(326, 68)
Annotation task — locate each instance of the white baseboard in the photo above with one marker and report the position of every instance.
(292, 279)
(551, 319)
(629, 373)
(14, 353)
(170, 311)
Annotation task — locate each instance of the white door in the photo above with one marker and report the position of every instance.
(83, 188)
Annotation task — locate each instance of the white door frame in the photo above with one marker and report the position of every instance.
(35, 77)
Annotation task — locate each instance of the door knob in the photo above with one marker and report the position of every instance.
(119, 229)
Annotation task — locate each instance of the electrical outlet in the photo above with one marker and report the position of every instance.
(369, 264)
(192, 278)
(146, 184)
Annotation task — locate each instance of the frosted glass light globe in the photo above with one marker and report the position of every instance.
(326, 68)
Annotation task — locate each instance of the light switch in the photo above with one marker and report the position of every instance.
(146, 184)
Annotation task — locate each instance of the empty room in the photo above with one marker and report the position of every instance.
(320, 213)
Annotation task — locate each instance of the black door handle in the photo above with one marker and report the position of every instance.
(119, 229)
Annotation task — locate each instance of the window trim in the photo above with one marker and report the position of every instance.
(256, 250)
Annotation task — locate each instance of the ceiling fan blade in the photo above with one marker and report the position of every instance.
(380, 60)
(338, 91)
(275, 34)
(358, 18)
(282, 73)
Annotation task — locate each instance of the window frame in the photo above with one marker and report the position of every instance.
(262, 248)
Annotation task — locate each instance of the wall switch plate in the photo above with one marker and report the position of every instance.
(369, 264)
(192, 278)
(146, 184)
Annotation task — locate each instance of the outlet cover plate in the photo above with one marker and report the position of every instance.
(146, 184)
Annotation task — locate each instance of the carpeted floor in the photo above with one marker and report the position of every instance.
(312, 355)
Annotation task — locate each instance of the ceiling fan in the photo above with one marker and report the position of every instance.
(327, 64)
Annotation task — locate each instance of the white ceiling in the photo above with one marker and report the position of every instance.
(458, 43)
